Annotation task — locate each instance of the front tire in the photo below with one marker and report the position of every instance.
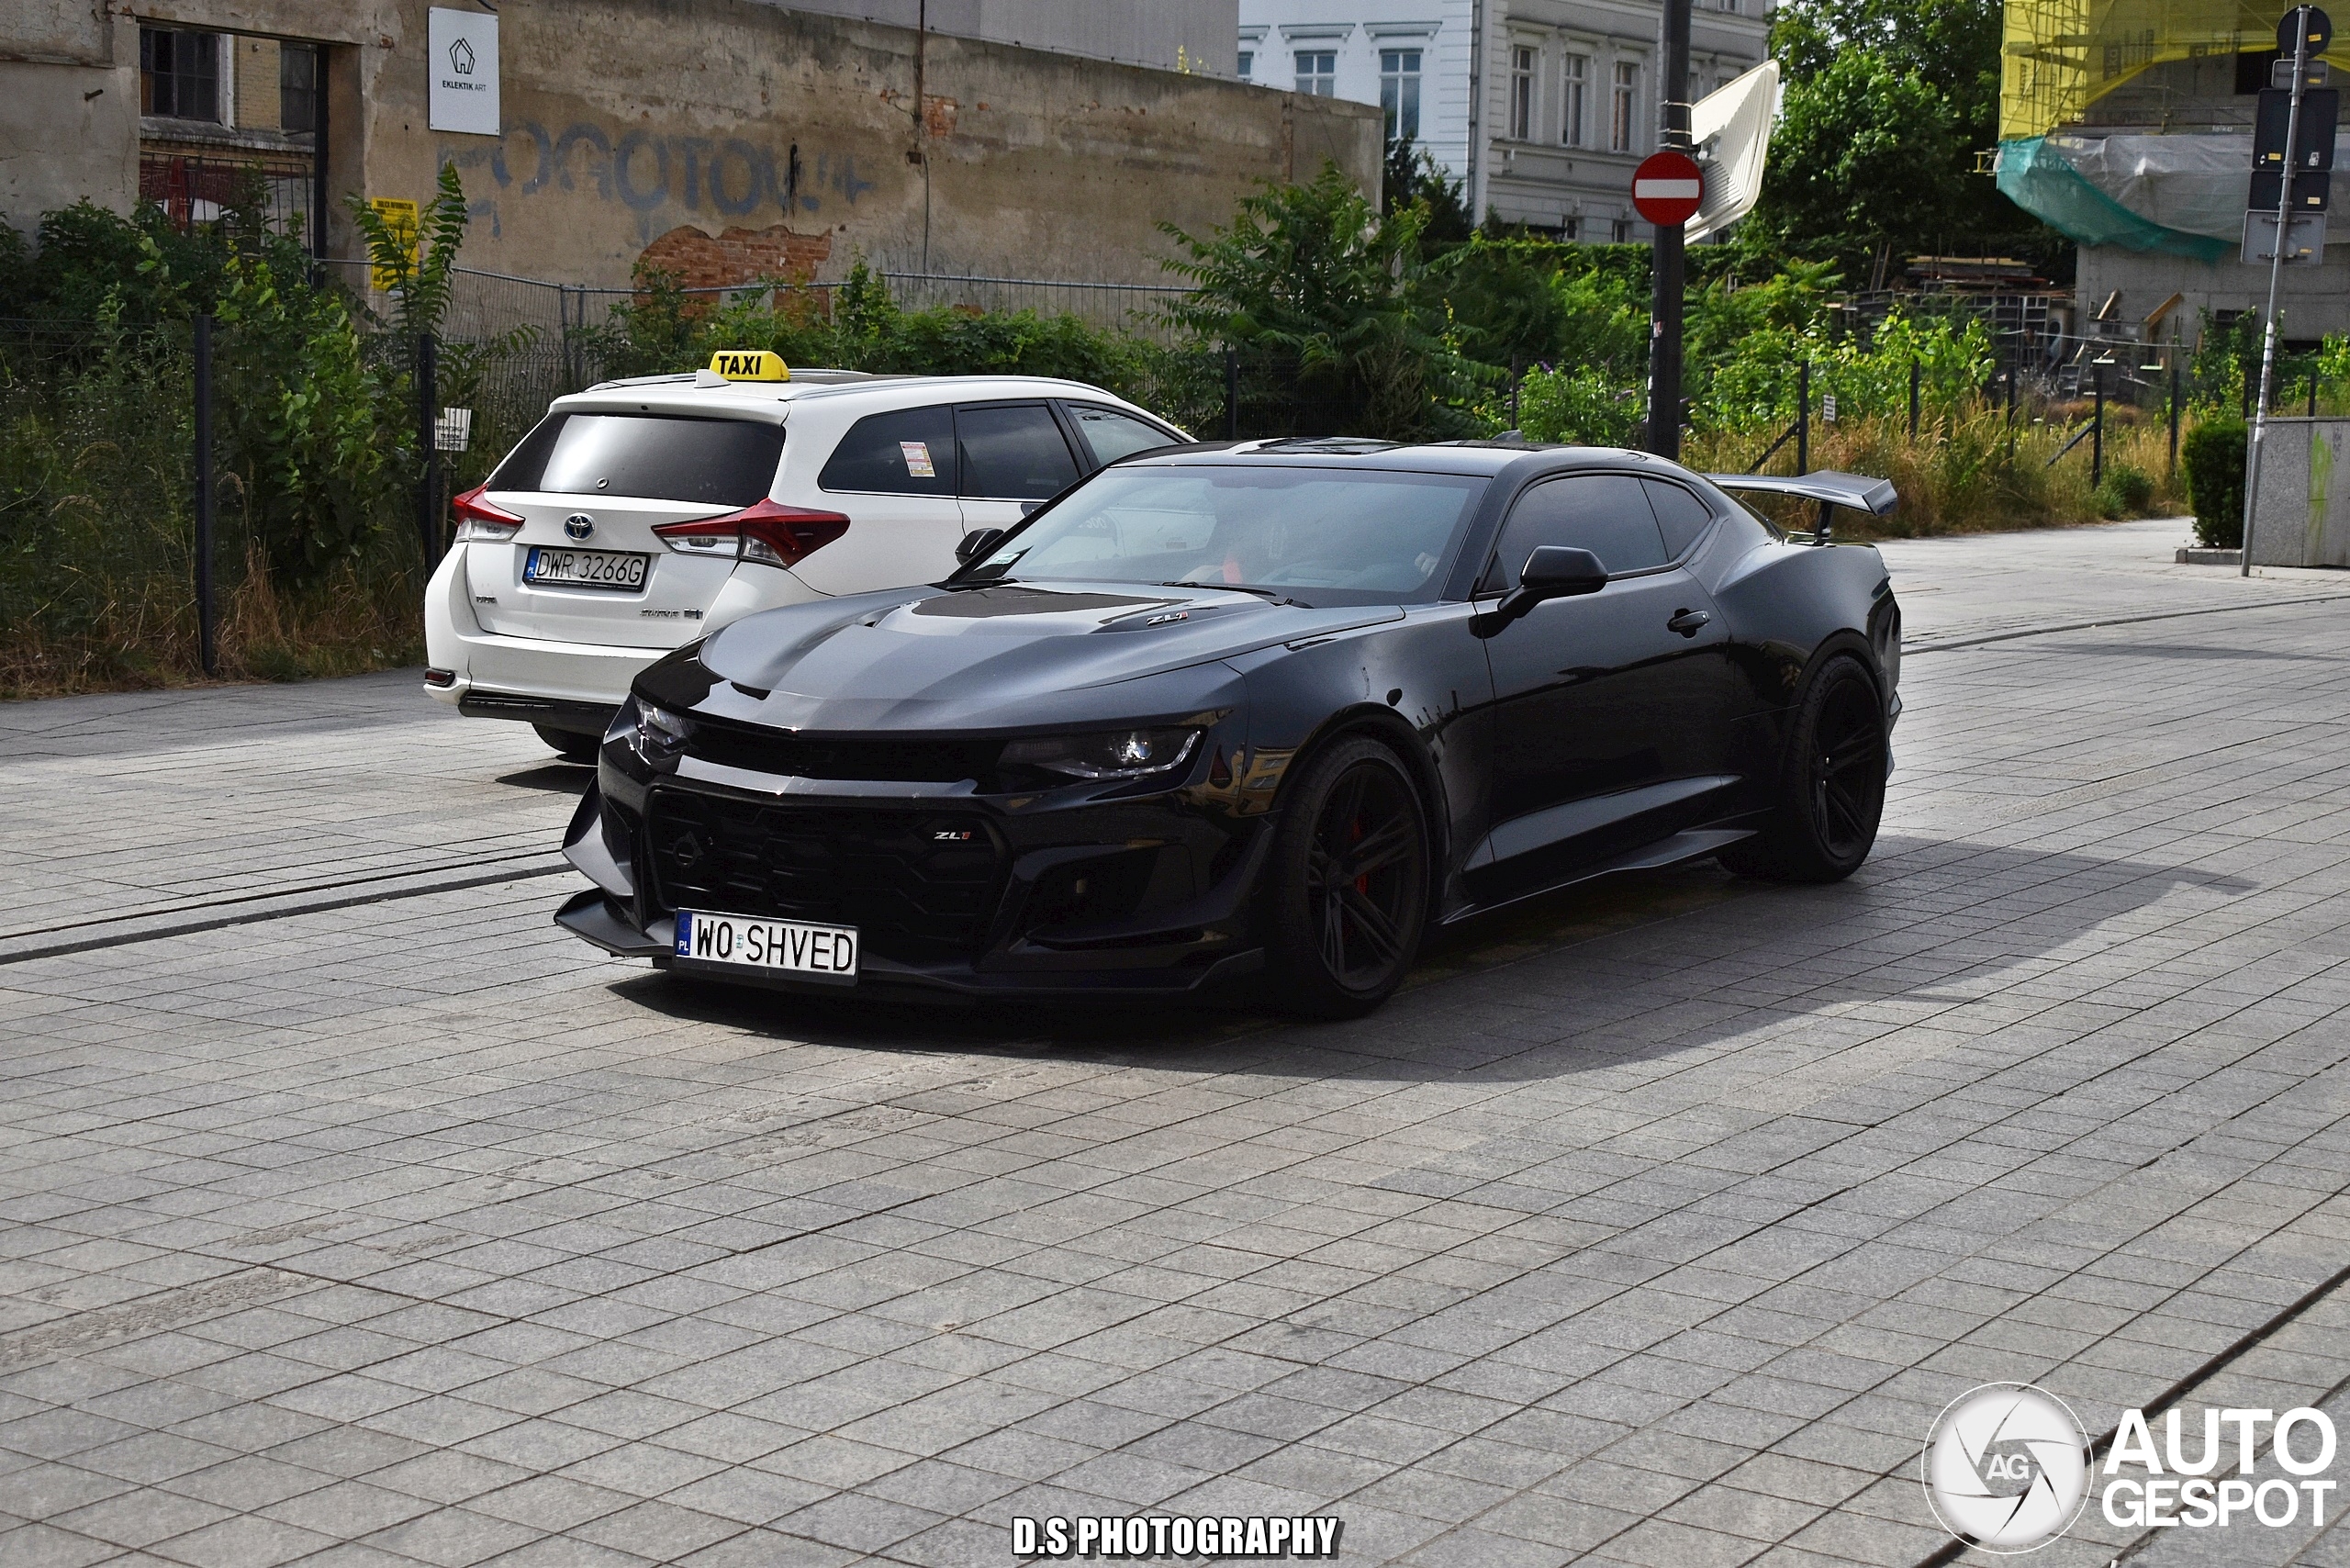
(569, 744)
(1830, 795)
(1349, 891)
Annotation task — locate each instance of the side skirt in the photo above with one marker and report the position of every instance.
(1693, 845)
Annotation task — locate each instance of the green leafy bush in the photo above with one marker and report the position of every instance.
(2212, 456)
(1313, 272)
(1580, 406)
(2125, 492)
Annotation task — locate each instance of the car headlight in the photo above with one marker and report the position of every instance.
(654, 732)
(1111, 754)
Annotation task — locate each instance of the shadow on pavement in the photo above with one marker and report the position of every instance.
(561, 778)
(1644, 966)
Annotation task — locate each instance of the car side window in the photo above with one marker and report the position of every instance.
(909, 451)
(1606, 514)
(1112, 435)
(1013, 451)
(1680, 515)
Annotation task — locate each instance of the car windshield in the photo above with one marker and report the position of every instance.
(1320, 535)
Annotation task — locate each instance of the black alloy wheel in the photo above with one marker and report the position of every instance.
(1830, 791)
(1350, 865)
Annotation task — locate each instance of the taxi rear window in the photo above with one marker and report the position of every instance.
(658, 457)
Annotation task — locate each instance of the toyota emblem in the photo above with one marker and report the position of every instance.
(579, 525)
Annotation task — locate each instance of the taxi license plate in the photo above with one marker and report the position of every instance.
(585, 569)
(776, 946)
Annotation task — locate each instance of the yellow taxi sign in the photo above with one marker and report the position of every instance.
(749, 365)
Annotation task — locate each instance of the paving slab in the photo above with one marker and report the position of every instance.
(1652, 1224)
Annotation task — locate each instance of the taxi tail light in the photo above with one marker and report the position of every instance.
(477, 518)
(769, 531)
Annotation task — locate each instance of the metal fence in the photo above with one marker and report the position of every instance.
(485, 305)
(192, 189)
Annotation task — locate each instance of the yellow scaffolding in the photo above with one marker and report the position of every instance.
(2057, 57)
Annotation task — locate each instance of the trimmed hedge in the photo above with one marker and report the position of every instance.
(2212, 457)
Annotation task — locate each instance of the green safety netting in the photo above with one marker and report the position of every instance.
(2039, 173)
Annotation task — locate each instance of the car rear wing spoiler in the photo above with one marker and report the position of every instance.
(1830, 489)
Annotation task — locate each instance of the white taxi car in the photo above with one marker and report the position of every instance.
(641, 514)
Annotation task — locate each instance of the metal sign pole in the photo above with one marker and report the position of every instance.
(206, 625)
(1668, 258)
(2275, 268)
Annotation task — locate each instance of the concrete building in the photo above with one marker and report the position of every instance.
(1172, 35)
(1540, 107)
(715, 137)
(2172, 149)
(2130, 130)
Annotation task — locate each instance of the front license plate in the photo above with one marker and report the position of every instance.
(547, 567)
(781, 947)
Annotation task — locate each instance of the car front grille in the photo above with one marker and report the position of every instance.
(779, 751)
(917, 883)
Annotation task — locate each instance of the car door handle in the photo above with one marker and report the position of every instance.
(1689, 622)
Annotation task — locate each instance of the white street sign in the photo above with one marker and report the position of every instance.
(461, 54)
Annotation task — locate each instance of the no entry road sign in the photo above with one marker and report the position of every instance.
(1666, 188)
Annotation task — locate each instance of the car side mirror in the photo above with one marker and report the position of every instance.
(976, 543)
(1557, 571)
(1553, 571)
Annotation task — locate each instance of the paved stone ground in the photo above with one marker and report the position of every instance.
(1651, 1226)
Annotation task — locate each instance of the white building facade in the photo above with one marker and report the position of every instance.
(1540, 108)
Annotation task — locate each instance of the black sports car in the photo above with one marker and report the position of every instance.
(1273, 706)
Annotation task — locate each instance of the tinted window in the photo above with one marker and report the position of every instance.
(1321, 536)
(909, 452)
(1013, 451)
(1604, 513)
(1682, 516)
(1112, 435)
(660, 457)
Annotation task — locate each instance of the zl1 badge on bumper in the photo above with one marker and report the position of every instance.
(774, 947)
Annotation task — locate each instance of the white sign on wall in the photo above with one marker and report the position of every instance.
(462, 51)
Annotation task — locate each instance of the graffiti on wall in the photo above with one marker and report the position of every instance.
(646, 171)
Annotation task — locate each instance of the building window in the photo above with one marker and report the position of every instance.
(1247, 64)
(1521, 93)
(297, 86)
(1399, 93)
(1570, 229)
(179, 75)
(1622, 232)
(1572, 122)
(1318, 73)
(1622, 126)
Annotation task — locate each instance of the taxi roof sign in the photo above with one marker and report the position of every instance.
(749, 365)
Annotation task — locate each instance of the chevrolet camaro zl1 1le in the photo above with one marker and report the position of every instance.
(1271, 710)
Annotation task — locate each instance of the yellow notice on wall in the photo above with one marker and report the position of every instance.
(399, 215)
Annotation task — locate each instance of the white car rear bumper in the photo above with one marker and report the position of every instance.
(486, 664)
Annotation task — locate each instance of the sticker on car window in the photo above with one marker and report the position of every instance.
(917, 455)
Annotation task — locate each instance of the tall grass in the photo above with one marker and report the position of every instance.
(97, 535)
(1968, 474)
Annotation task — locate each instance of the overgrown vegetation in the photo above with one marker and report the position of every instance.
(315, 451)
(1313, 309)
